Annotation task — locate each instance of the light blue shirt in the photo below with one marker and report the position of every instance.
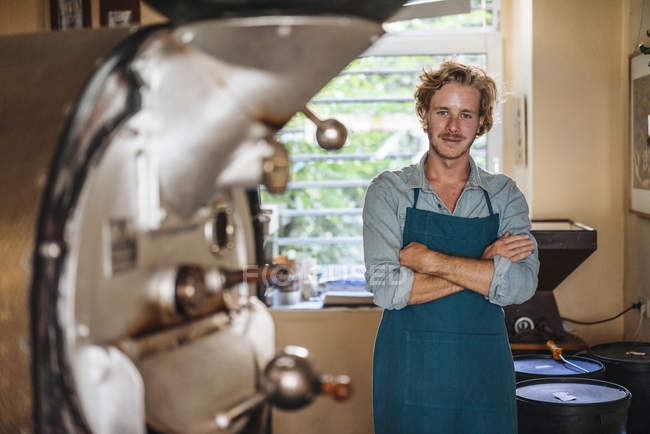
(384, 215)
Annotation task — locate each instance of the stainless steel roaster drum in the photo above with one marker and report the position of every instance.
(137, 231)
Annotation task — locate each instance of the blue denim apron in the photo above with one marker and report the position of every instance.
(445, 366)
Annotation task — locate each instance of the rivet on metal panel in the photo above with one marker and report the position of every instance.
(82, 330)
(49, 249)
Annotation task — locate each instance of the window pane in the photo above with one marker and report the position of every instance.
(330, 253)
(373, 97)
(321, 227)
(317, 198)
(481, 16)
(344, 170)
(371, 85)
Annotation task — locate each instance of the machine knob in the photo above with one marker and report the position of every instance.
(523, 324)
(289, 382)
(191, 291)
(293, 383)
(199, 291)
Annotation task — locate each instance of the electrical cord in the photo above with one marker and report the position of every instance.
(634, 306)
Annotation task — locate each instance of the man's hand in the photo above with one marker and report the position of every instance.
(415, 256)
(513, 247)
(470, 273)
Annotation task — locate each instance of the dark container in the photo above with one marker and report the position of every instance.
(628, 364)
(531, 366)
(599, 407)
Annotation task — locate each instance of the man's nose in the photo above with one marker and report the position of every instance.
(453, 125)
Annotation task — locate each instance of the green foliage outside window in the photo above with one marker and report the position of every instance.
(383, 135)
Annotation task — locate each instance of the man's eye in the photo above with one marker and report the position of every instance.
(465, 116)
(441, 112)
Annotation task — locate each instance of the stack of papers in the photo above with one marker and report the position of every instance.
(344, 298)
(349, 291)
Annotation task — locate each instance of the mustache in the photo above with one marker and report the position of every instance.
(452, 136)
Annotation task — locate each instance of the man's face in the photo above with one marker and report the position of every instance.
(453, 120)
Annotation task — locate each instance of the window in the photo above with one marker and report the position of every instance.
(320, 214)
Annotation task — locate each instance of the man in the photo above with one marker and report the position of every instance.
(446, 244)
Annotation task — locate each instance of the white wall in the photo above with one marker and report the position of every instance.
(637, 228)
(516, 28)
(579, 151)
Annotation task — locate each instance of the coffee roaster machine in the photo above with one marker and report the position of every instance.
(563, 245)
(147, 252)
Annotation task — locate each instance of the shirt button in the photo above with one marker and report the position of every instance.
(440, 205)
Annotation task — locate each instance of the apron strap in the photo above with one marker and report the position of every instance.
(487, 200)
(416, 193)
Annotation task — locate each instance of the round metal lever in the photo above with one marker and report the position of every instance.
(289, 382)
(330, 133)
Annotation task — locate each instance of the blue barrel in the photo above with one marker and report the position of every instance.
(531, 366)
(571, 406)
(628, 364)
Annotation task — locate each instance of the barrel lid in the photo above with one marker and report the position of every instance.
(629, 352)
(545, 365)
(586, 391)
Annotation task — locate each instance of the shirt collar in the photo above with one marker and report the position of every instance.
(417, 179)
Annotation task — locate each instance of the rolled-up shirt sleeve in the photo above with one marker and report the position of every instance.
(389, 282)
(514, 282)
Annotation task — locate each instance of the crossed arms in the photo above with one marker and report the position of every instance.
(437, 275)
(414, 274)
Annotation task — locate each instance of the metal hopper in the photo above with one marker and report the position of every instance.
(563, 246)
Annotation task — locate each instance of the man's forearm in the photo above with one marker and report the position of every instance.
(428, 288)
(470, 273)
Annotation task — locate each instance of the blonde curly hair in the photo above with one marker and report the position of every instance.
(468, 75)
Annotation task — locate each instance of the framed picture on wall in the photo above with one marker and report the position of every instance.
(640, 134)
(69, 14)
